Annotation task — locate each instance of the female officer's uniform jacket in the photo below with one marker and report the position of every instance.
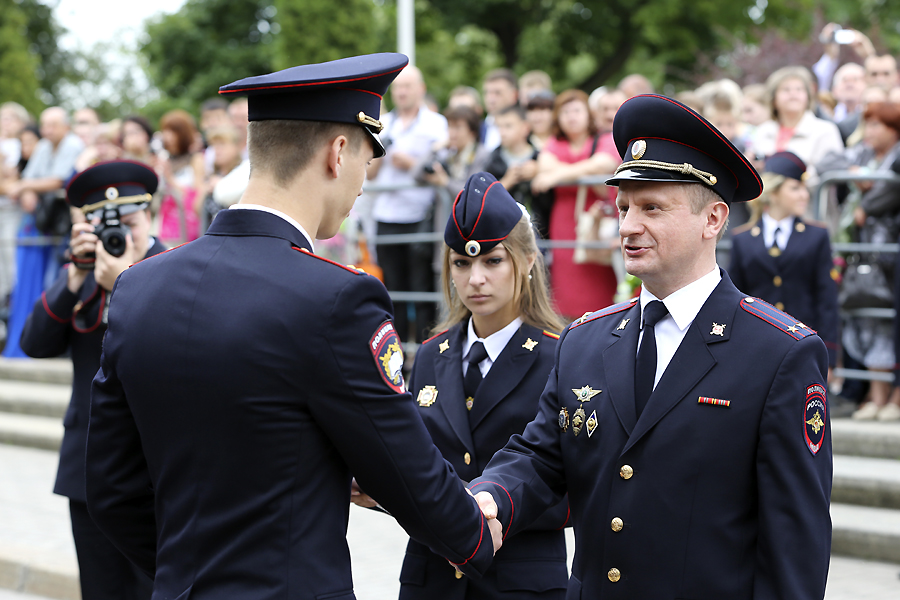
(534, 560)
(799, 281)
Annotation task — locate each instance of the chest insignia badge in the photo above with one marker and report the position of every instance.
(470, 402)
(718, 330)
(445, 345)
(578, 421)
(563, 418)
(529, 344)
(622, 324)
(427, 395)
(585, 393)
(591, 423)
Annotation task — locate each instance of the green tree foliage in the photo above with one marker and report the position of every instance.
(18, 82)
(206, 44)
(313, 31)
(55, 66)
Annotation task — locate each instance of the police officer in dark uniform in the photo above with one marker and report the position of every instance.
(478, 381)
(689, 426)
(785, 260)
(244, 378)
(70, 316)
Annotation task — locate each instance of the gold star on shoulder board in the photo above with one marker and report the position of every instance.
(585, 393)
(792, 329)
(529, 344)
(801, 325)
(445, 345)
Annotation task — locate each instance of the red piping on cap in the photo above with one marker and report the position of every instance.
(309, 83)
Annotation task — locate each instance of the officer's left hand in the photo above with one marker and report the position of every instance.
(109, 267)
(359, 497)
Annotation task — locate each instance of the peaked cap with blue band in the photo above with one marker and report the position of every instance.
(660, 139)
(348, 90)
(127, 183)
(786, 163)
(483, 215)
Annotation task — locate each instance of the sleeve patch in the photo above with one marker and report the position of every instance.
(388, 355)
(814, 414)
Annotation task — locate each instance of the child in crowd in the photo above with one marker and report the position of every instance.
(514, 161)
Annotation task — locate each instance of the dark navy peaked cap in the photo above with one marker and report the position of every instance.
(127, 183)
(348, 90)
(483, 215)
(660, 139)
(787, 164)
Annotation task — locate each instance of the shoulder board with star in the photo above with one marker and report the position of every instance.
(353, 270)
(550, 334)
(437, 335)
(609, 310)
(773, 316)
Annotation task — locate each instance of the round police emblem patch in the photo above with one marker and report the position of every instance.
(814, 417)
(388, 354)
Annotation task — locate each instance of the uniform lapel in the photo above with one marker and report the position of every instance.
(618, 363)
(759, 247)
(505, 374)
(693, 358)
(449, 382)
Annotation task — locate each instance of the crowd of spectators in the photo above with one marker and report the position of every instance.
(538, 142)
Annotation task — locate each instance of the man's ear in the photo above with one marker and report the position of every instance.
(716, 218)
(335, 157)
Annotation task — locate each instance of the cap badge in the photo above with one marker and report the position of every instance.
(111, 193)
(578, 421)
(367, 120)
(427, 395)
(591, 423)
(564, 418)
(473, 248)
(718, 330)
(529, 344)
(585, 393)
(445, 345)
(638, 148)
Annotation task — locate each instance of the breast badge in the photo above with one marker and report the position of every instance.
(718, 330)
(578, 421)
(427, 395)
(529, 344)
(563, 418)
(585, 393)
(445, 345)
(591, 423)
(385, 348)
(814, 417)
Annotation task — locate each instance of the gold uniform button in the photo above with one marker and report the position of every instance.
(614, 575)
(779, 306)
(467, 457)
(459, 575)
(626, 472)
(777, 281)
(617, 524)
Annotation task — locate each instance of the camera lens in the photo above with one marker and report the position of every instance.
(113, 239)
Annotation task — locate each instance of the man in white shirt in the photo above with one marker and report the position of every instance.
(410, 132)
(689, 427)
(500, 90)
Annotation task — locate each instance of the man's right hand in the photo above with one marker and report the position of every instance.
(82, 243)
(489, 510)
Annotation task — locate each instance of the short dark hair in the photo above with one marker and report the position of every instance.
(504, 74)
(283, 148)
(517, 109)
(140, 122)
(465, 113)
(541, 101)
(213, 104)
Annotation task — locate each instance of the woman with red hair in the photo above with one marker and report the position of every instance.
(181, 173)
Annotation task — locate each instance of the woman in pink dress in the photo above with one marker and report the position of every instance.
(575, 151)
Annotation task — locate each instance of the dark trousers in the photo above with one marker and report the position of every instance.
(105, 572)
(407, 268)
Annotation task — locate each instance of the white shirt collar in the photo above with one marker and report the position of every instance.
(785, 225)
(494, 343)
(684, 304)
(277, 213)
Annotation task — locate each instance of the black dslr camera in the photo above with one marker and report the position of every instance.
(112, 233)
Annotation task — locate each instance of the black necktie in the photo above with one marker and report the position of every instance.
(775, 249)
(473, 375)
(645, 370)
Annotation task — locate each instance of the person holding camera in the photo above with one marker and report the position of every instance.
(110, 208)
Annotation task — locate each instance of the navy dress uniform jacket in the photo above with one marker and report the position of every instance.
(238, 389)
(799, 281)
(63, 321)
(533, 561)
(713, 492)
